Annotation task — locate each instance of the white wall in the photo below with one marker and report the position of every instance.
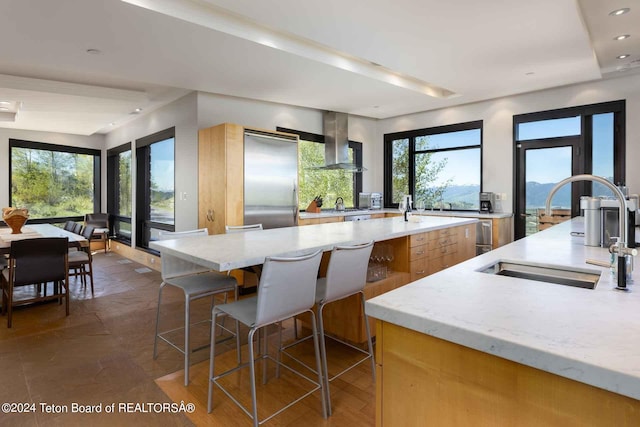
(498, 126)
(94, 141)
(182, 114)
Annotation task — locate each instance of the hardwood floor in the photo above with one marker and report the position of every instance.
(102, 354)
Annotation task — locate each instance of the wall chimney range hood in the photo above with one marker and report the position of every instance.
(336, 143)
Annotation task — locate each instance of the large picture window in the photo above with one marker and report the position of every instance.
(56, 183)
(440, 166)
(119, 191)
(155, 176)
(330, 184)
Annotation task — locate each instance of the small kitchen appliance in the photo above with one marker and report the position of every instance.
(487, 202)
(370, 201)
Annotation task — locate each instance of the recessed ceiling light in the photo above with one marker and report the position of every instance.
(619, 12)
(94, 51)
(626, 55)
(137, 110)
(4, 109)
(112, 124)
(5, 103)
(622, 37)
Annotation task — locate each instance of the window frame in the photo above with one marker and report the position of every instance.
(113, 185)
(411, 135)
(355, 146)
(143, 191)
(585, 149)
(97, 162)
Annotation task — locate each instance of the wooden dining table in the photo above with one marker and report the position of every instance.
(33, 231)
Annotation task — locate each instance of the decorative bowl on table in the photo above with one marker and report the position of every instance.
(15, 218)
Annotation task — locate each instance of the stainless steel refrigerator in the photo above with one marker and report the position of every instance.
(270, 179)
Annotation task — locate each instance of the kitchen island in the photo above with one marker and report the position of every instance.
(463, 347)
(441, 241)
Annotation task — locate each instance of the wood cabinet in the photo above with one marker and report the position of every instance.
(220, 177)
(423, 380)
(502, 231)
(323, 220)
(436, 250)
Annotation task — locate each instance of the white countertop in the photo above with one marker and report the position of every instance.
(591, 336)
(459, 214)
(224, 252)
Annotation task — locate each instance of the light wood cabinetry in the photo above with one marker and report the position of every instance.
(423, 380)
(502, 231)
(323, 220)
(220, 177)
(436, 250)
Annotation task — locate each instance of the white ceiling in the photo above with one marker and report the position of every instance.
(373, 58)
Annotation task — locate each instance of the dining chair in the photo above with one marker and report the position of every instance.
(196, 282)
(68, 226)
(100, 222)
(77, 228)
(33, 262)
(286, 289)
(346, 276)
(81, 260)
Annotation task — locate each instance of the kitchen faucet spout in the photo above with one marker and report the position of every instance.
(620, 249)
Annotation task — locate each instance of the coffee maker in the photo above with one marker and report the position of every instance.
(487, 202)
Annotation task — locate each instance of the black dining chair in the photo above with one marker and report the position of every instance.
(34, 262)
(81, 260)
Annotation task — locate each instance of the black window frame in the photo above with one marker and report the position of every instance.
(113, 187)
(97, 164)
(411, 135)
(143, 193)
(584, 155)
(355, 146)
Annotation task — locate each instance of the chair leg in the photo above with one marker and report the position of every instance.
(323, 356)
(252, 369)
(187, 339)
(155, 341)
(369, 343)
(91, 275)
(66, 294)
(323, 396)
(264, 352)
(212, 354)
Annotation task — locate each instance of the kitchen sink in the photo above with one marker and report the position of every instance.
(549, 273)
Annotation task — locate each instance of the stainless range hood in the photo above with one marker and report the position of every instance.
(336, 143)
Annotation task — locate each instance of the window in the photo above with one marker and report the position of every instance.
(119, 191)
(553, 145)
(155, 176)
(330, 184)
(55, 182)
(441, 166)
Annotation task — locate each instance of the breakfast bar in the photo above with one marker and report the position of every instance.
(446, 240)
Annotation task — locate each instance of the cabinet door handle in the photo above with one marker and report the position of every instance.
(420, 253)
(420, 272)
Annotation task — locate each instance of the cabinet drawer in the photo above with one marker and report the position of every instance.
(443, 250)
(417, 239)
(441, 262)
(419, 269)
(417, 252)
(435, 245)
(441, 234)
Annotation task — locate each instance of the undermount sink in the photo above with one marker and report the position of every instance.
(549, 273)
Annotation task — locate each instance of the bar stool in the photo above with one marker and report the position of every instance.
(286, 289)
(196, 282)
(346, 276)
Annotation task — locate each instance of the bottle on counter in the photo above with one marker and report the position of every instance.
(407, 212)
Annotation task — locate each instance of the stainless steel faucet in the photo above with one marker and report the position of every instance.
(620, 248)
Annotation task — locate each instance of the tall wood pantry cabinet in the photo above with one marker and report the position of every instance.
(220, 177)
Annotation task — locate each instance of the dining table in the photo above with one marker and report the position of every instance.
(33, 231)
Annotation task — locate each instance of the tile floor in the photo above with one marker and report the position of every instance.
(102, 354)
